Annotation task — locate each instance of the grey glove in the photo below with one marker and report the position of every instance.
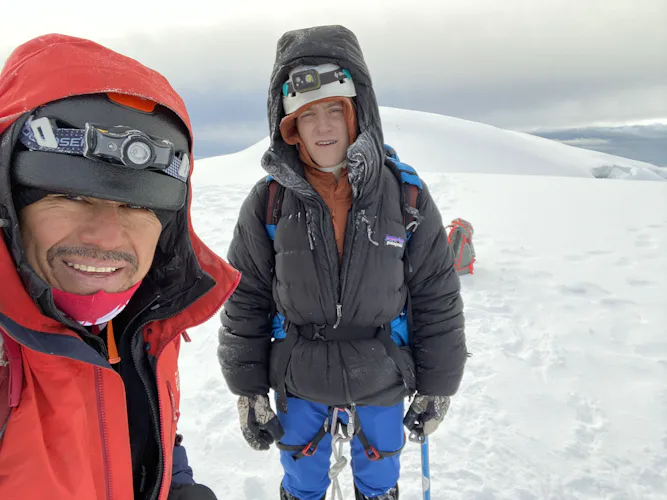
(259, 424)
(425, 415)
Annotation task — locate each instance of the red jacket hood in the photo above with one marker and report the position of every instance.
(53, 67)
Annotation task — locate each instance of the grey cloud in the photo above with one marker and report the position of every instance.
(586, 141)
(640, 142)
(526, 64)
(225, 122)
(515, 64)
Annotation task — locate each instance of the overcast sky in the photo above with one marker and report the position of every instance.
(524, 65)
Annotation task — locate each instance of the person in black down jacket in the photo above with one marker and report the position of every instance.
(338, 311)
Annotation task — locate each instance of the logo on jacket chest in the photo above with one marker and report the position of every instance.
(394, 241)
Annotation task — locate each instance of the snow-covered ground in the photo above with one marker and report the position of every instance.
(565, 395)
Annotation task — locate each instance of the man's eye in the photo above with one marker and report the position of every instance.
(336, 110)
(136, 207)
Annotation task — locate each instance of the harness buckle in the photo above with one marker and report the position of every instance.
(374, 455)
(309, 450)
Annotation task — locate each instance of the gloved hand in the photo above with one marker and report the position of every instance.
(425, 415)
(259, 424)
(191, 492)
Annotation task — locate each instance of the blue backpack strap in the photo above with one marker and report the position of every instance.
(408, 174)
(411, 185)
(273, 204)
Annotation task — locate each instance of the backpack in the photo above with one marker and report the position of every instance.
(411, 185)
(460, 239)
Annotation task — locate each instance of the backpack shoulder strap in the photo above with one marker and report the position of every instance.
(410, 195)
(273, 205)
(411, 186)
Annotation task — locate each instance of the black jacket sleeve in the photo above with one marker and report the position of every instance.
(245, 334)
(438, 336)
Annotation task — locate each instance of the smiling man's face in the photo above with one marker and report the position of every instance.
(83, 245)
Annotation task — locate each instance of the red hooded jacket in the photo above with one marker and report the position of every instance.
(66, 436)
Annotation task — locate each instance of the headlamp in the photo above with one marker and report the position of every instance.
(120, 145)
(308, 80)
(132, 148)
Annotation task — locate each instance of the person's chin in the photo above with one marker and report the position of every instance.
(327, 162)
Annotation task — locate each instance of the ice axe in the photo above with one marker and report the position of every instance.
(413, 422)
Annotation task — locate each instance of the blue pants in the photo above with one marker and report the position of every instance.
(307, 478)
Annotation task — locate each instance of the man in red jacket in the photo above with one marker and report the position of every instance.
(101, 273)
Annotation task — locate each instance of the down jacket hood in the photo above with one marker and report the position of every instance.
(313, 46)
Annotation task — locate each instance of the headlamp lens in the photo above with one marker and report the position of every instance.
(139, 152)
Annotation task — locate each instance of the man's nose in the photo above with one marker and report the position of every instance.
(103, 227)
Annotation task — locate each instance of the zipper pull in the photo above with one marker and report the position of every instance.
(112, 349)
(174, 411)
(339, 314)
(369, 228)
(142, 485)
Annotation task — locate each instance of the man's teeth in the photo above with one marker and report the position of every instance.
(91, 269)
(325, 143)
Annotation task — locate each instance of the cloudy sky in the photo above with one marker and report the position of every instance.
(519, 64)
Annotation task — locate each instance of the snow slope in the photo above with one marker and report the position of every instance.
(437, 143)
(564, 397)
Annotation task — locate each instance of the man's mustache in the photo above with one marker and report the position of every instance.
(92, 253)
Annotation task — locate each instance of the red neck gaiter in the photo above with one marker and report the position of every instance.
(95, 309)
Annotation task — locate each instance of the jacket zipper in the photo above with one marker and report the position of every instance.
(103, 429)
(347, 258)
(152, 405)
(339, 287)
(336, 288)
(333, 263)
(158, 483)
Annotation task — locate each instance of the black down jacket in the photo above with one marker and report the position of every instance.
(333, 346)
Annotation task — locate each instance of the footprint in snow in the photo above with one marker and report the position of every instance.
(588, 429)
(640, 282)
(587, 290)
(254, 489)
